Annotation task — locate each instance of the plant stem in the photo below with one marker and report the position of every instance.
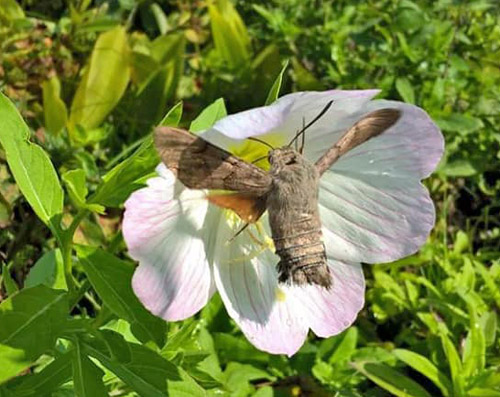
(67, 248)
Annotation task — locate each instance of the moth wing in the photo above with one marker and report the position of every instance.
(373, 124)
(200, 165)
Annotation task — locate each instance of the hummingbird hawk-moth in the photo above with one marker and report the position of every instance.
(289, 191)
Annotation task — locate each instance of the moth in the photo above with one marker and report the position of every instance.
(288, 191)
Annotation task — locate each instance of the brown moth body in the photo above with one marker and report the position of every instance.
(292, 203)
(289, 191)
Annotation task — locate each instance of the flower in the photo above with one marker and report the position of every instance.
(372, 204)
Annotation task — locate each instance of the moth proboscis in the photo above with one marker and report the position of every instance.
(289, 191)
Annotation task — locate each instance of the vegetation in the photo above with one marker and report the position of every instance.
(91, 78)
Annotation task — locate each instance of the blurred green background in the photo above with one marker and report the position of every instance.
(91, 79)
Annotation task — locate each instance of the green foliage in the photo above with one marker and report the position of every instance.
(92, 79)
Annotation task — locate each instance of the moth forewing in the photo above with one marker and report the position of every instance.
(371, 125)
(200, 165)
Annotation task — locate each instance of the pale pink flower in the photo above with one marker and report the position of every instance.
(373, 209)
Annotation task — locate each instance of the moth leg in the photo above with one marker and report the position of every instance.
(256, 240)
(239, 232)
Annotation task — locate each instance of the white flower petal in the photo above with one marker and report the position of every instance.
(285, 117)
(163, 227)
(329, 312)
(248, 285)
(372, 219)
(372, 204)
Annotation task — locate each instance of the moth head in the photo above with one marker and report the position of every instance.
(285, 159)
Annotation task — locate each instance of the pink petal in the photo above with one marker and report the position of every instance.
(372, 204)
(373, 219)
(286, 115)
(164, 229)
(248, 286)
(329, 312)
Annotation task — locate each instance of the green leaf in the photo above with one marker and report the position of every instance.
(405, 89)
(173, 116)
(31, 167)
(304, 79)
(457, 168)
(111, 278)
(474, 353)
(229, 33)
(426, 368)
(31, 321)
(392, 381)
(488, 323)
(482, 392)
(160, 17)
(147, 373)
(345, 347)
(75, 181)
(54, 109)
(275, 89)
(453, 361)
(489, 281)
(10, 10)
(161, 73)
(103, 83)
(48, 270)
(207, 118)
(232, 348)
(9, 284)
(87, 377)
(127, 176)
(460, 123)
(48, 380)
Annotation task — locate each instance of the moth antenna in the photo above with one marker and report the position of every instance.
(302, 144)
(258, 159)
(301, 132)
(261, 141)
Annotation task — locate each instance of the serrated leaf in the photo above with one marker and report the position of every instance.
(31, 167)
(33, 311)
(111, 278)
(208, 116)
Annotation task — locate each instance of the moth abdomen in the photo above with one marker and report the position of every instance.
(303, 259)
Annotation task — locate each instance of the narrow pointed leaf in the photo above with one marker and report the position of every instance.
(30, 322)
(31, 167)
(111, 278)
